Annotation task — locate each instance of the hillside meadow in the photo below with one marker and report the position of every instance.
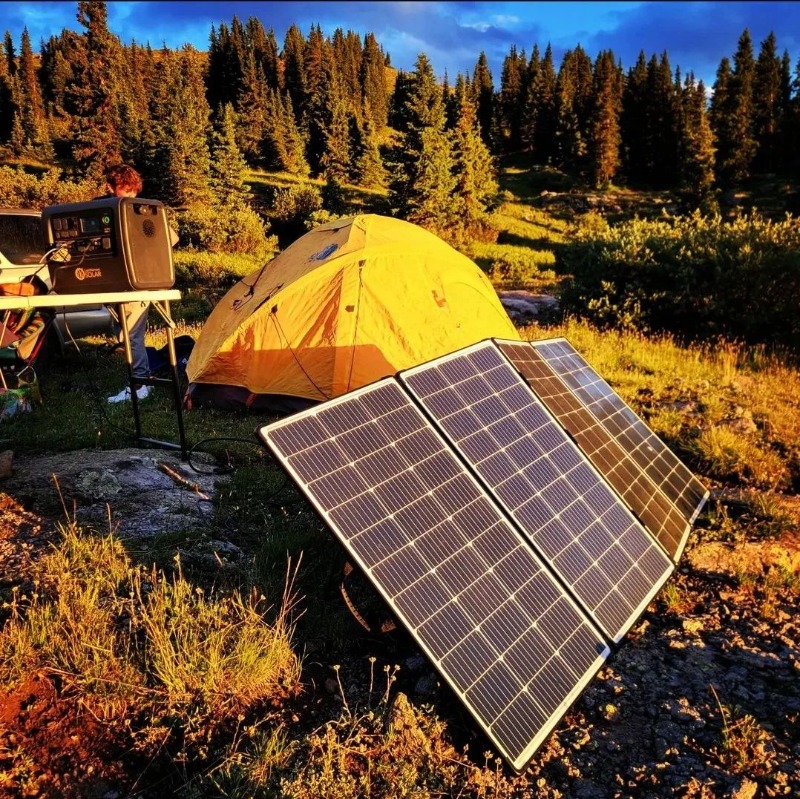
(254, 680)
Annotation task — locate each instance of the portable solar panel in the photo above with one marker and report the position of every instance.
(537, 473)
(660, 465)
(504, 634)
(654, 509)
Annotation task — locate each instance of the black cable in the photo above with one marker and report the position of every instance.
(274, 317)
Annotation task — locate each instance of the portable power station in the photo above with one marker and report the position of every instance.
(111, 244)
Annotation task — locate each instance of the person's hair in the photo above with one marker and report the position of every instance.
(121, 177)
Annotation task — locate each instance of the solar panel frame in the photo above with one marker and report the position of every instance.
(505, 477)
(649, 452)
(481, 697)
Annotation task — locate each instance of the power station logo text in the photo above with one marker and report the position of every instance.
(87, 274)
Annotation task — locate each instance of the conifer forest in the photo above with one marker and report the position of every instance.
(331, 106)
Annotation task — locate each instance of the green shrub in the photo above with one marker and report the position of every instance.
(21, 189)
(295, 204)
(224, 230)
(696, 277)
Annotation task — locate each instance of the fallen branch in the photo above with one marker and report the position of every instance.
(181, 480)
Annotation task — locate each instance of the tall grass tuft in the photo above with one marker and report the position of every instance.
(119, 636)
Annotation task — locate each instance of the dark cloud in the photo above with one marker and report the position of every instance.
(453, 34)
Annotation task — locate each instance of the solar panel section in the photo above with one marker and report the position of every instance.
(654, 509)
(569, 513)
(503, 633)
(649, 452)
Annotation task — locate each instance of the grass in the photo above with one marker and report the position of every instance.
(130, 643)
(209, 672)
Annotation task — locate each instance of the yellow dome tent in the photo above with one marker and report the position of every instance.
(349, 302)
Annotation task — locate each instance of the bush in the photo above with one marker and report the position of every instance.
(295, 204)
(21, 189)
(522, 268)
(225, 230)
(700, 278)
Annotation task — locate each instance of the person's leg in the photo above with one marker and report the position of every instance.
(136, 315)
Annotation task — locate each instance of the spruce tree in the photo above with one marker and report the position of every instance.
(572, 107)
(92, 94)
(228, 167)
(697, 149)
(736, 160)
(605, 134)
(530, 109)
(7, 106)
(662, 123)
(34, 128)
(767, 106)
(180, 164)
(483, 97)
(375, 97)
(368, 168)
(511, 102)
(294, 71)
(476, 184)
(250, 110)
(335, 160)
(422, 183)
(633, 122)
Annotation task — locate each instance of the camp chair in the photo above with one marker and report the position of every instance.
(23, 333)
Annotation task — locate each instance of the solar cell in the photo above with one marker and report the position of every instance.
(530, 465)
(645, 498)
(483, 606)
(558, 373)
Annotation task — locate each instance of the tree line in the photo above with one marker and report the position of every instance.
(332, 107)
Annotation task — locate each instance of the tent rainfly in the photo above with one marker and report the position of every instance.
(346, 304)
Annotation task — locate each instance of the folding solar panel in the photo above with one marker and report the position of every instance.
(660, 465)
(574, 520)
(510, 641)
(654, 509)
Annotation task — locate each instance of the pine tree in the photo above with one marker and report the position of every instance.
(474, 168)
(35, 136)
(95, 139)
(572, 106)
(511, 102)
(483, 97)
(294, 71)
(180, 163)
(7, 106)
(368, 169)
(335, 160)
(605, 134)
(767, 106)
(375, 97)
(738, 148)
(422, 183)
(633, 122)
(697, 149)
(228, 167)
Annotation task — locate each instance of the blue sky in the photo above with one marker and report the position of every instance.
(695, 34)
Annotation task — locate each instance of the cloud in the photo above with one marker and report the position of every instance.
(696, 35)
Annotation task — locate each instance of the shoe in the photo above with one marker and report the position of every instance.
(143, 392)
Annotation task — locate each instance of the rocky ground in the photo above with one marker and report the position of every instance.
(701, 700)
